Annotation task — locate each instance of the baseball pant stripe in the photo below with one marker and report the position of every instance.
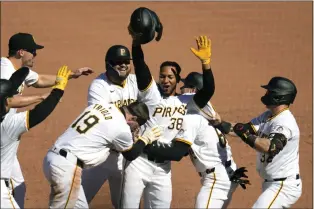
(122, 186)
(12, 186)
(211, 191)
(71, 187)
(10, 196)
(276, 195)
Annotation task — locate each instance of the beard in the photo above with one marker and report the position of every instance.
(28, 63)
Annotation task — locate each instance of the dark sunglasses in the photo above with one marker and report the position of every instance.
(32, 51)
(120, 62)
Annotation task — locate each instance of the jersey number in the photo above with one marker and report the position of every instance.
(268, 160)
(176, 123)
(88, 123)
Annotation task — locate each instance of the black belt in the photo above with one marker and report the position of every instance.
(7, 183)
(64, 153)
(282, 179)
(227, 164)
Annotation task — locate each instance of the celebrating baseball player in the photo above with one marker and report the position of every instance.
(13, 124)
(155, 177)
(22, 52)
(275, 136)
(87, 143)
(119, 87)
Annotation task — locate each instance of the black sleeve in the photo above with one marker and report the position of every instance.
(174, 151)
(135, 151)
(202, 97)
(142, 72)
(43, 109)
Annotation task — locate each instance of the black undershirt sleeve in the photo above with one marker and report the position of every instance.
(202, 97)
(142, 72)
(43, 109)
(174, 151)
(135, 151)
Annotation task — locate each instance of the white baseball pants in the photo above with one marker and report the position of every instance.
(279, 194)
(7, 200)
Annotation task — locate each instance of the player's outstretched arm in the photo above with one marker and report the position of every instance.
(142, 72)
(162, 151)
(43, 110)
(20, 101)
(203, 53)
(46, 81)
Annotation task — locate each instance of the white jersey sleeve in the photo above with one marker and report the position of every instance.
(256, 122)
(16, 124)
(97, 92)
(207, 112)
(189, 130)
(151, 95)
(123, 142)
(31, 78)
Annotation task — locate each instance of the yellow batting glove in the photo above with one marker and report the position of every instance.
(204, 49)
(62, 78)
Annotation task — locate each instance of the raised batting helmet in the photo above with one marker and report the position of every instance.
(193, 80)
(8, 88)
(280, 91)
(143, 25)
(118, 52)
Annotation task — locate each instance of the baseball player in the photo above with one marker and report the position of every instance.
(211, 158)
(13, 125)
(87, 143)
(169, 77)
(154, 177)
(22, 52)
(119, 87)
(275, 136)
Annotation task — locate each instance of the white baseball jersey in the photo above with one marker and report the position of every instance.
(286, 162)
(12, 127)
(103, 90)
(205, 151)
(99, 128)
(7, 69)
(169, 114)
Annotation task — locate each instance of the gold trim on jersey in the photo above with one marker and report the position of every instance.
(149, 85)
(27, 120)
(272, 117)
(184, 141)
(71, 187)
(254, 129)
(10, 197)
(211, 191)
(12, 185)
(276, 195)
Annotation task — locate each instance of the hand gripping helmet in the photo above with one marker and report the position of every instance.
(193, 80)
(280, 91)
(8, 88)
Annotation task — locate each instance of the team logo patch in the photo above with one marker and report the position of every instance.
(122, 51)
(279, 129)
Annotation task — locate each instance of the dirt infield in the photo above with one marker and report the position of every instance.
(251, 43)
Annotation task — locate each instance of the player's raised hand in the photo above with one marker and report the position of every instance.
(62, 78)
(151, 135)
(203, 51)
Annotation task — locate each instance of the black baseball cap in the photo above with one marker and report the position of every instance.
(193, 80)
(23, 41)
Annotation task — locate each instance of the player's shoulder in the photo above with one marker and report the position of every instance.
(7, 68)
(186, 97)
(286, 119)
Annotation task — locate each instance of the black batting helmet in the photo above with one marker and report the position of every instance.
(193, 80)
(280, 91)
(118, 52)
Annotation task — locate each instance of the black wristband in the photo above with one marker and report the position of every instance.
(249, 139)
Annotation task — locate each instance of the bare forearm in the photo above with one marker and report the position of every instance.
(20, 101)
(262, 144)
(45, 81)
